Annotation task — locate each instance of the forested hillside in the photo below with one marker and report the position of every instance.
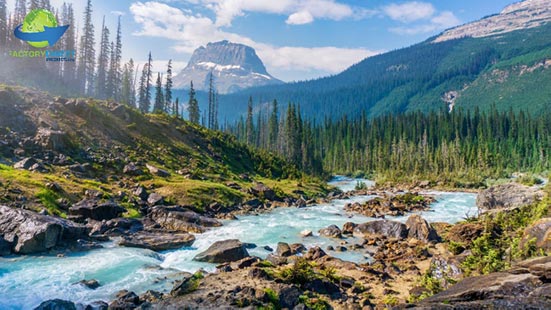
(461, 148)
(508, 71)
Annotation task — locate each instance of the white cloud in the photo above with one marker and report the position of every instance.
(298, 11)
(191, 31)
(300, 18)
(409, 11)
(444, 20)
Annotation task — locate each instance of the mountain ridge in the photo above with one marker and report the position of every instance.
(234, 67)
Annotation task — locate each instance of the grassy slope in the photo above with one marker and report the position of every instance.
(109, 137)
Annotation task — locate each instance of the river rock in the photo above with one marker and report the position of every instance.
(93, 209)
(306, 233)
(97, 305)
(331, 232)
(390, 229)
(314, 253)
(420, 229)
(157, 171)
(507, 197)
(5, 246)
(283, 249)
(223, 252)
(348, 228)
(157, 241)
(91, 284)
(56, 304)
(32, 233)
(181, 219)
(125, 300)
(526, 286)
(183, 286)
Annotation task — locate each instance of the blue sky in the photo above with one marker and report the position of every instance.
(296, 39)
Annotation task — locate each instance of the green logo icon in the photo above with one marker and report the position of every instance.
(40, 29)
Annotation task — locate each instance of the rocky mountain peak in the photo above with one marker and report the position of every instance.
(234, 67)
(521, 15)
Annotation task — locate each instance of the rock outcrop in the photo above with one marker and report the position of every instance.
(420, 229)
(507, 197)
(28, 232)
(525, 286)
(386, 228)
(93, 209)
(181, 219)
(157, 241)
(223, 252)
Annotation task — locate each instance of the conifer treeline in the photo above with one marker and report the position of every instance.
(437, 146)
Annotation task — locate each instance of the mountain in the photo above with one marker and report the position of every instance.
(234, 67)
(465, 67)
(522, 15)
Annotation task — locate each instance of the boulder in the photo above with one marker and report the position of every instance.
(314, 253)
(526, 286)
(465, 232)
(141, 193)
(264, 192)
(306, 233)
(157, 241)
(289, 297)
(181, 219)
(283, 249)
(157, 171)
(93, 209)
(97, 305)
(386, 228)
(155, 199)
(29, 232)
(507, 197)
(245, 262)
(183, 286)
(91, 284)
(5, 246)
(348, 228)
(52, 139)
(132, 170)
(223, 252)
(125, 300)
(25, 163)
(331, 232)
(540, 233)
(420, 229)
(56, 304)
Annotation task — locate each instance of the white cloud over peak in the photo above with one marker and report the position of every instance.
(409, 11)
(421, 17)
(191, 31)
(298, 11)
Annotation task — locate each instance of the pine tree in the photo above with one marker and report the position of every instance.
(145, 87)
(114, 76)
(168, 89)
(159, 106)
(176, 108)
(69, 44)
(103, 63)
(211, 115)
(87, 52)
(128, 92)
(3, 24)
(273, 127)
(193, 106)
(249, 126)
